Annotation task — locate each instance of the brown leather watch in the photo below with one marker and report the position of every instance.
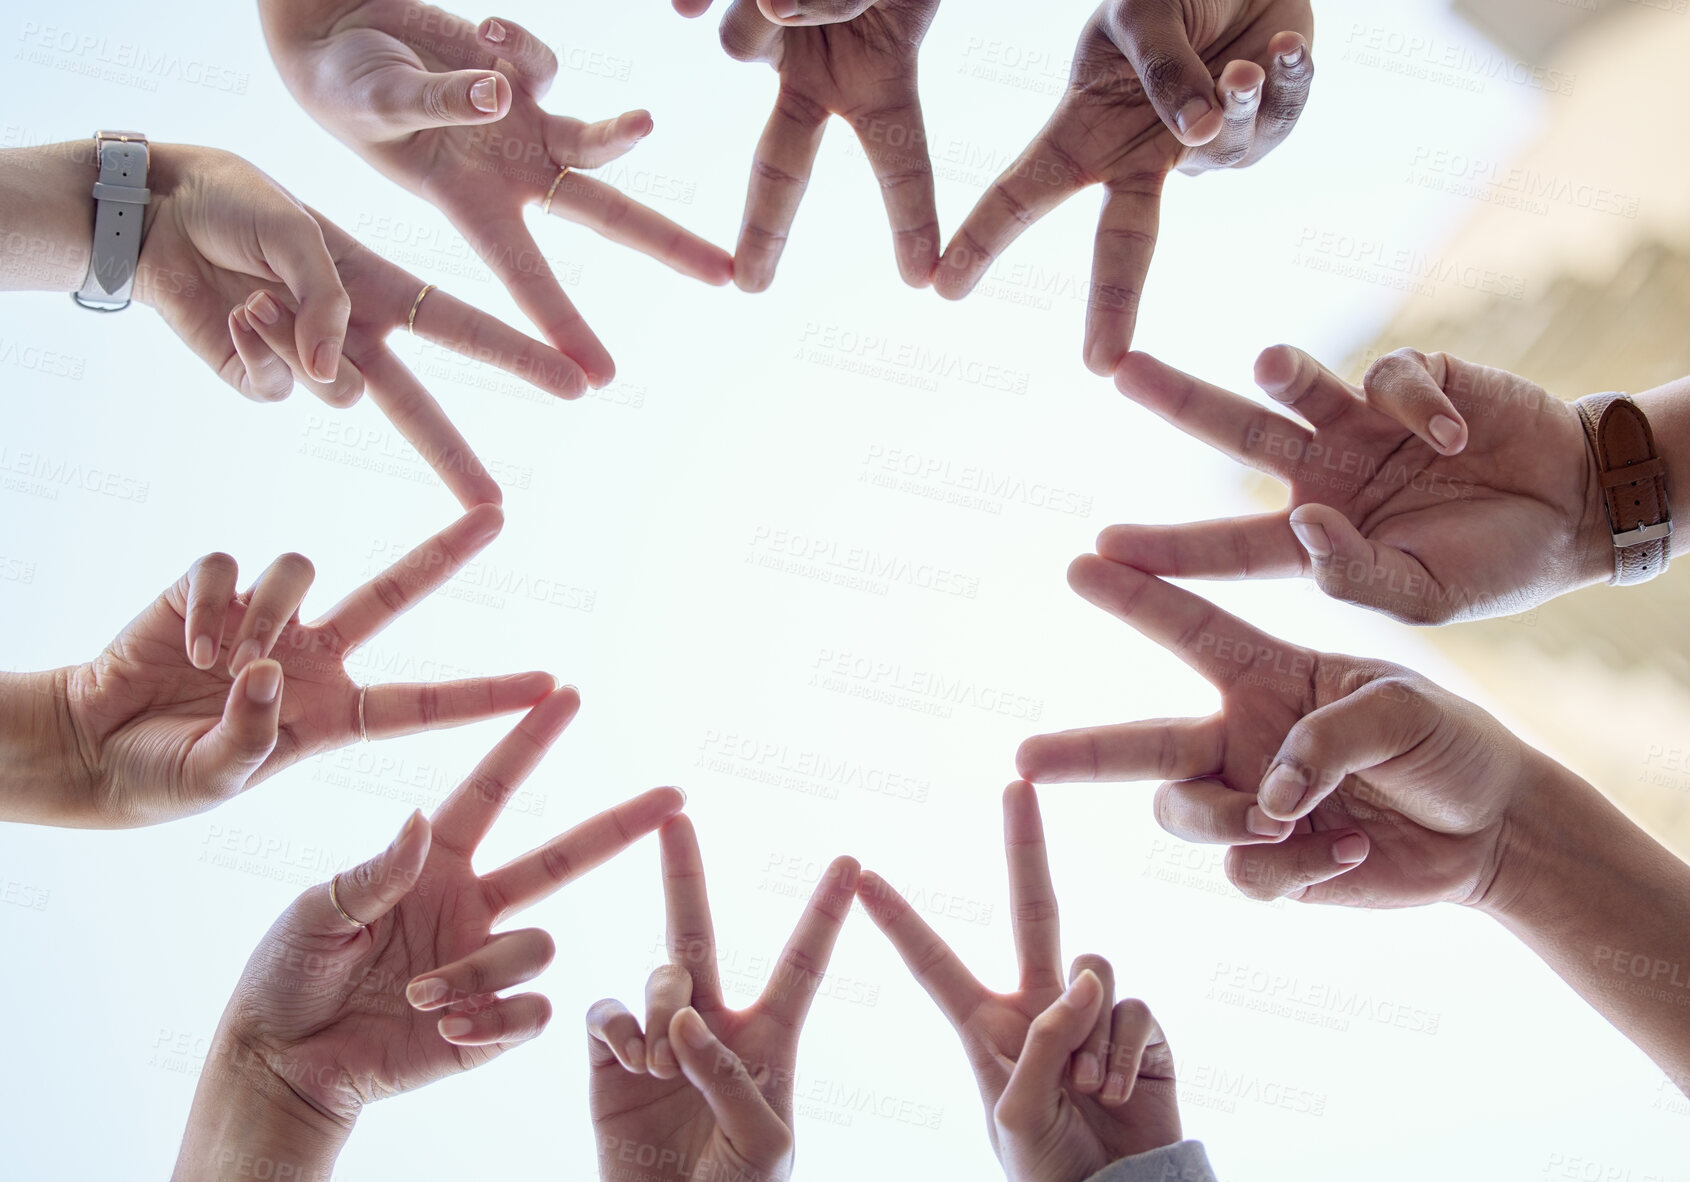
(1634, 485)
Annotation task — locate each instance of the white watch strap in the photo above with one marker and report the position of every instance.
(120, 206)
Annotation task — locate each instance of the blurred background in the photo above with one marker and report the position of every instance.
(1502, 180)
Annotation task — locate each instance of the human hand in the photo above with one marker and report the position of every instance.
(1333, 779)
(1070, 1079)
(708, 1088)
(451, 111)
(268, 292)
(1187, 84)
(392, 980)
(1439, 491)
(863, 69)
(791, 12)
(209, 692)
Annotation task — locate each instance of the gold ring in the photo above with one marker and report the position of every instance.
(363, 731)
(546, 205)
(411, 320)
(334, 897)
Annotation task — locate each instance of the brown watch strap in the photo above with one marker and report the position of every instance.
(1634, 485)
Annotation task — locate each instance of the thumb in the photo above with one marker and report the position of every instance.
(1411, 388)
(1380, 721)
(735, 1100)
(1039, 1073)
(1357, 570)
(371, 889)
(404, 99)
(225, 757)
(1178, 84)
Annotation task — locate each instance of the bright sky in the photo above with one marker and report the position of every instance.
(634, 566)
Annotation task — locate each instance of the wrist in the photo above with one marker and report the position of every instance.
(47, 204)
(1547, 839)
(47, 779)
(248, 1121)
(1668, 410)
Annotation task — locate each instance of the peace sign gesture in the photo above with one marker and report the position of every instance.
(451, 110)
(1071, 1080)
(387, 978)
(1334, 779)
(209, 692)
(859, 62)
(710, 1088)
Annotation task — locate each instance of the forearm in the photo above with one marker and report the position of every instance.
(43, 777)
(1668, 408)
(1606, 907)
(46, 216)
(248, 1122)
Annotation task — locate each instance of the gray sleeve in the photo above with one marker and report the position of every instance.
(1184, 1162)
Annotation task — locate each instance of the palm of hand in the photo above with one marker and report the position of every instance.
(1478, 521)
(1430, 839)
(141, 705)
(629, 1107)
(845, 68)
(353, 1038)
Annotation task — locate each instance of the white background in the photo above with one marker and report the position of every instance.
(113, 987)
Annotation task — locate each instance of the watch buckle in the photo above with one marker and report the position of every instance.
(1643, 535)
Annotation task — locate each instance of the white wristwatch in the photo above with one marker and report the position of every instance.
(120, 209)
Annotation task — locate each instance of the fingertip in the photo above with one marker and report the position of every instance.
(1449, 434)
(202, 652)
(1133, 371)
(325, 360)
(1350, 849)
(482, 524)
(1276, 368)
(1102, 358)
(263, 681)
(1197, 121)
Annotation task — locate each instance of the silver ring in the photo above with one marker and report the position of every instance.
(363, 730)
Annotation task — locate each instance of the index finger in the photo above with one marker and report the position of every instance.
(690, 933)
(1227, 422)
(462, 328)
(1220, 646)
(510, 252)
(894, 138)
(524, 881)
(1032, 897)
(419, 418)
(413, 578)
(930, 960)
(1126, 240)
(466, 816)
(803, 963)
(1034, 185)
(780, 172)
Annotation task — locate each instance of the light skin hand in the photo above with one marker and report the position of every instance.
(704, 1090)
(1070, 1080)
(1333, 779)
(1187, 84)
(330, 1016)
(1438, 491)
(209, 691)
(451, 110)
(861, 66)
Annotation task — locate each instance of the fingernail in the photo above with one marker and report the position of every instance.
(204, 652)
(1262, 825)
(325, 363)
(1349, 849)
(425, 993)
(1193, 113)
(1244, 97)
(495, 32)
(1314, 538)
(1445, 430)
(784, 9)
(263, 684)
(455, 1027)
(410, 824)
(243, 656)
(1083, 991)
(1293, 59)
(662, 1054)
(1283, 788)
(1087, 1070)
(1115, 1088)
(694, 1031)
(485, 95)
(264, 306)
(635, 1051)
